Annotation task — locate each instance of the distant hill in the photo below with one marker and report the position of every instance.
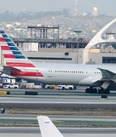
(89, 25)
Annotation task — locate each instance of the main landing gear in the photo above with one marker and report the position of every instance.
(91, 90)
(103, 91)
(100, 91)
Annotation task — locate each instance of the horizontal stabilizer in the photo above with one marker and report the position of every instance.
(7, 70)
(47, 128)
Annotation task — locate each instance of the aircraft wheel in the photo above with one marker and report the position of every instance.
(107, 91)
(94, 90)
(63, 88)
(100, 91)
(74, 87)
(87, 90)
(91, 90)
(70, 88)
(103, 91)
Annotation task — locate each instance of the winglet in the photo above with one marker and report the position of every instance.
(47, 128)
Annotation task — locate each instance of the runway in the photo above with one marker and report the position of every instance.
(59, 117)
(48, 100)
(59, 120)
(67, 132)
(58, 99)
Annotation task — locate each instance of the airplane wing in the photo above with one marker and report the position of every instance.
(47, 128)
(106, 74)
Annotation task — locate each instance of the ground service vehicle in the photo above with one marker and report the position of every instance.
(10, 85)
(67, 87)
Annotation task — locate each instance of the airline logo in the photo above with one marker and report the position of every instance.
(11, 53)
(14, 58)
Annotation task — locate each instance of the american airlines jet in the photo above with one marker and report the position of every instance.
(99, 78)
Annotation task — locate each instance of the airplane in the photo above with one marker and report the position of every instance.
(97, 78)
(47, 128)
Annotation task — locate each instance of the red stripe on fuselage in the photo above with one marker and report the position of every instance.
(18, 64)
(5, 47)
(9, 56)
(2, 40)
(27, 74)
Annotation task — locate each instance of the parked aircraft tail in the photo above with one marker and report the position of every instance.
(47, 128)
(14, 62)
(11, 54)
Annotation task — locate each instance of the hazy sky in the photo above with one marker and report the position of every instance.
(107, 7)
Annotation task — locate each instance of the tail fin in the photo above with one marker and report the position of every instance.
(11, 54)
(47, 128)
